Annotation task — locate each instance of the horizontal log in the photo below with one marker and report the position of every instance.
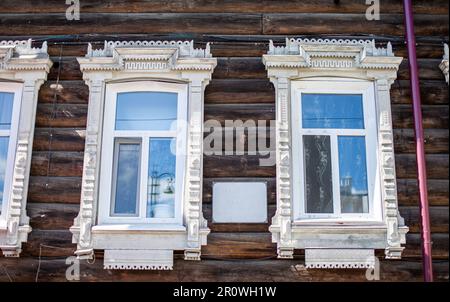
(433, 116)
(437, 166)
(242, 91)
(438, 190)
(64, 190)
(52, 216)
(428, 70)
(65, 69)
(229, 6)
(215, 166)
(438, 217)
(61, 115)
(432, 92)
(52, 270)
(67, 92)
(439, 241)
(55, 139)
(144, 23)
(220, 245)
(436, 141)
(408, 195)
(49, 243)
(231, 91)
(250, 166)
(62, 164)
(390, 24)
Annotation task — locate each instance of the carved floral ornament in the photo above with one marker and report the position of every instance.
(335, 245)
(144, 246)
(444, 63)
(27, 68)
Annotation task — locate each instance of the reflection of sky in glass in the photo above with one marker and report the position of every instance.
(146, 110)
(127, 178)
(6, 104)
(337, 111)
(353, 173)
(161, 178)
(4, 141)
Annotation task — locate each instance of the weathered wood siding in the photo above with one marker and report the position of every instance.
(240, 31)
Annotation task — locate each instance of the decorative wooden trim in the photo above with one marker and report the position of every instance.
(357, 59)
(444, 64)
(21, 63)
(173, 61)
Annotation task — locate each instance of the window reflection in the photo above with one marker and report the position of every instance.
(353, 174)
(4, 142)
(336, 111)
(127, 178)
(6, 106)
(146, 110)
(161, 178)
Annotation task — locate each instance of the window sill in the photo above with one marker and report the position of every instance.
(337, 224)
(138, 228)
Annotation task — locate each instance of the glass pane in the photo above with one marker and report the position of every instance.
(146, 110)
(127, 178)
(353, 174)
(4, 142)
(337, 111)
(318, 174)
(6, 106)
(161, 179)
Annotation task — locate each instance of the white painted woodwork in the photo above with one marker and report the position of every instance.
(130, 62)
(23, 69)
(342, 60)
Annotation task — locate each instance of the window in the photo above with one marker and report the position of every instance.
(334, 150)
(142, 172)
(444, 64)
(337, 194)
(23, 69)
(142, 181)
(10, 95)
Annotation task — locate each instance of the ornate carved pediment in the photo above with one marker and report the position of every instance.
(147, 55)
(20, 55)
(331, 54)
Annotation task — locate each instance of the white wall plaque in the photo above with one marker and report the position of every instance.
(240, 202)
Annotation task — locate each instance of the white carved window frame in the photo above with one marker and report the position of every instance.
(444, 64)
(335, 86)
(335, 244)
(23, 69)
(105, 194)
(141, 246)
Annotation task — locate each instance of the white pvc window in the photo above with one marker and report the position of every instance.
(334, 151)
(10, 97)
(143, 153)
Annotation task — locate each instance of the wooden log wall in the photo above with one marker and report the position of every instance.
(239, 31)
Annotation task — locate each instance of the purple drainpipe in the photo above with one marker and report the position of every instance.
(420, 150)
